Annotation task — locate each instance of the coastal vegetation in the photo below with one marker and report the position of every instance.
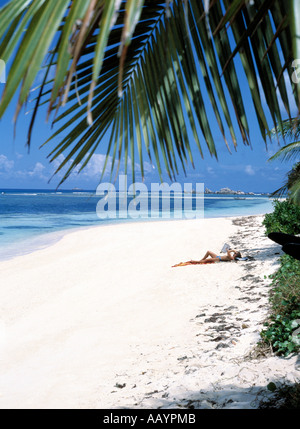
(285, 296)
(282, 328)
(285, 300)
(285, 286)
(283, 325)
(284, 218)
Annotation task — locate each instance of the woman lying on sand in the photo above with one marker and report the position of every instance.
(211, 257)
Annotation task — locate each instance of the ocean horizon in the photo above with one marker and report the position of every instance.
(34, 218)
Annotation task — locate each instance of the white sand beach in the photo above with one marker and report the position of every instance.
(100, 319)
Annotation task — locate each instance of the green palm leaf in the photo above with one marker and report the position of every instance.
(295, 192)
(291, 187)
(288, 152)
(291, 151)
(290, 130)
(140, 75)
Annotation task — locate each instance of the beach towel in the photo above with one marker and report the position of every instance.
(182, 264)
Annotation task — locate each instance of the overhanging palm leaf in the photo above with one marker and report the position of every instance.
(290, 131)
(295, 192)
(291, 151)
(288, 152)
(291, 187)
(143, 72)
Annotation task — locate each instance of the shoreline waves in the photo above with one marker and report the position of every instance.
(42, 240)
(28, 220)
(99, 319)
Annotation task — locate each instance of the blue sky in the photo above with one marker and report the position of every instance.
(246, 169)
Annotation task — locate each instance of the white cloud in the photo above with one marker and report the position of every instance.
(148, 167)
(5, 164)
(249, 170)
(90, 173)
(8, 170)
(95, 166)
(92, 170)
(37, 171)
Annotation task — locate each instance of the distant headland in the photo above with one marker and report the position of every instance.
(232, 192)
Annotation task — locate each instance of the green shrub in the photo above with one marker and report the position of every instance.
(285, 218)
(285, 301)
(285, 296)
(281, 333)
(282, 328)
(285, 286)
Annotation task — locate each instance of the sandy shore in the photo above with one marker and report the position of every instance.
(101, 320)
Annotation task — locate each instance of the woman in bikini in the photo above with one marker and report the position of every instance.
(211, 257)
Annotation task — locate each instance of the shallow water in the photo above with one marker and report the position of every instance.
(31, 219)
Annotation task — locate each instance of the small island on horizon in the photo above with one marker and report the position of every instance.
(232, 192)
(228, 191)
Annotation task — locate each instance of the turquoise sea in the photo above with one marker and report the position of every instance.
(31, 219)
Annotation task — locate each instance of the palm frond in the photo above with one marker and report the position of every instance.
(140, 75)
(290, 130)
(287, 153)
(291, 187)
(295, 193)
(294, 18)
(280, 192)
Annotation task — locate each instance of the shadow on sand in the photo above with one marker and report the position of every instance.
(228, 397)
